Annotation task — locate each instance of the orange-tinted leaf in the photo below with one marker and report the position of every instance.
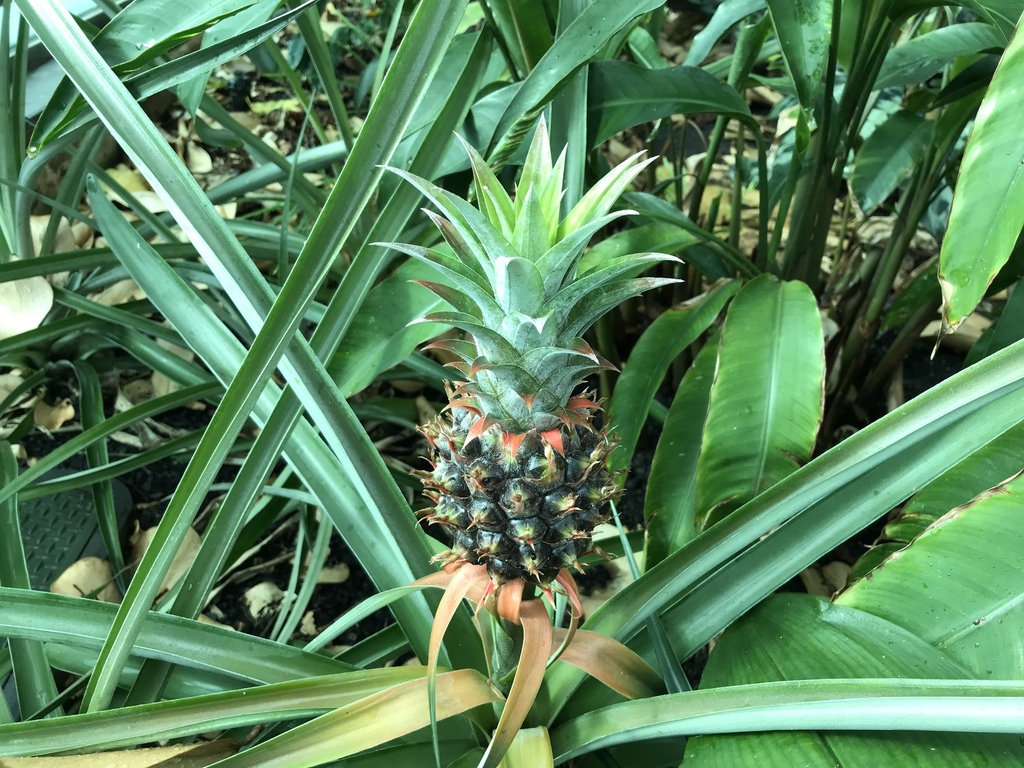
(529, 675)
(612, 663)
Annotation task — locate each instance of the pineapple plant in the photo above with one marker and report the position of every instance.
(519, 473)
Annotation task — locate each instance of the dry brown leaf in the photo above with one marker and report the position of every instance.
(52, 417)
(64, 240)
(263, 599)
(199, 160)
(333, 574)
(9, 382)
(88, 576)
(141, 540)
(307, 626)
(162, 385)
(119, 293)
(23, 305)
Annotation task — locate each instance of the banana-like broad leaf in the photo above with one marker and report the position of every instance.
(888, 157)
(726, 16)
(671, 332)
(916, 60)
(669, 505)
(767, 398)
(804, 28)
(383, 333)
(800, 637)
(988, 204)
(622, 95)
(582, 40)
(959, 585)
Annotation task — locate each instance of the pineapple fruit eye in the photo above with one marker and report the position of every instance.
(519, 500)
(485, 475)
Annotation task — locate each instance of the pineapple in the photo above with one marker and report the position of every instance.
(519, 475)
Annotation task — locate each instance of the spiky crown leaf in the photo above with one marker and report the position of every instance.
(514, 284)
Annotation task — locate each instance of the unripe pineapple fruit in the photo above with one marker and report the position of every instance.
(519, 476)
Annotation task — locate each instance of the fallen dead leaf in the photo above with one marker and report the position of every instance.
(263, 599)
(24, 304)
(119, 293)
(140, 541)
(52, 417)
(88, 576)
(63, 242)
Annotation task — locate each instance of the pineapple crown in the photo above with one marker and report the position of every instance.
(514, 288)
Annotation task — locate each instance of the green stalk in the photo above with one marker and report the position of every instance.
(735, 220)
(295, 83)
(748, 45)
(309, 26)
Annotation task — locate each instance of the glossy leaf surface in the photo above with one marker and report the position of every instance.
(988, 204)
(800, 637)
(959, 585)
(767, 398)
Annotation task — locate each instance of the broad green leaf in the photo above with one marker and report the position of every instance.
(582, 39)
(730, 567)
(916, 60)
(622, 95)
(988, 204)
(804, 28)
(767, 398)
(959, 585)
(524, 25)
(888, 157)
(800, 637)
(383, 333)
(669, 505)
(726, 16)
(1008, 328)
(671, 332)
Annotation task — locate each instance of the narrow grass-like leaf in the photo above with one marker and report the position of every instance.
(86, 623)
(967, 706)
(370, 722)
(295, 699)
